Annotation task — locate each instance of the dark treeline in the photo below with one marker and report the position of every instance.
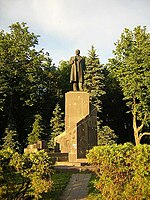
(31, 84)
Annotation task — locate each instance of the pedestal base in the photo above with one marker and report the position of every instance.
(80, 126)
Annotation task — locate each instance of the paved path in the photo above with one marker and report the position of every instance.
(77, 187)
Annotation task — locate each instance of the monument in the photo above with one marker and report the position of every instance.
(80, 116)
(77, 71)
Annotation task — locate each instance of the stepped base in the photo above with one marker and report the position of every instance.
(73, 167)
(78, 163)
(59, 157)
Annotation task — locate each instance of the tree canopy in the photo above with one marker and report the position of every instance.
(131, 67)
(29, 80)
(94, 79)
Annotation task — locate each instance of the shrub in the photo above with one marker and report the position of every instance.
(24, 176)
(123, 170)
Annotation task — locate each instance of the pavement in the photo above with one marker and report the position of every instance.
(77, 188)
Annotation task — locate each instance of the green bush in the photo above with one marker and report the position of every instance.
(106, 136)
(24, 176)
(123, 171)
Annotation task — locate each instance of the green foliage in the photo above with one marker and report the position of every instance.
(10, 138)
(7, 174)
(64, 76)
(37, 130)
(93, 193)
(106, 136)
(28, 80)
(20, 65)
(115, 112)
(57, 125)
(131, 68)
(24, 176)
(123, 170)
(94, 79)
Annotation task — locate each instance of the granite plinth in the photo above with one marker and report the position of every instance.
(80, 126)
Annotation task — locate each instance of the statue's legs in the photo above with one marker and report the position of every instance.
(75, 86)
(80, 86)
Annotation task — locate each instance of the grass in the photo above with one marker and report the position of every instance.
(94, 194)
(60, 181)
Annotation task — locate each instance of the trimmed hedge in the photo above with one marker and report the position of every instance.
(123, 171)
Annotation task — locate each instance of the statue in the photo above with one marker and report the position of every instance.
(77, 74)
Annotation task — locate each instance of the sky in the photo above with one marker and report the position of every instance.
(67, 25)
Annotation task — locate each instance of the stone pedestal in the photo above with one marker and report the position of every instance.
(80, 126)
(76, 108)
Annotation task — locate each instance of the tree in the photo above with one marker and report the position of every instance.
(130, 66)
(115, 112)
(10, 139)
(94, 79)
(37, 130)
(64, 69)
(106, 136)
(93, 83)
(20, 65)
(28, 80)
(57, 124)
(63, 81)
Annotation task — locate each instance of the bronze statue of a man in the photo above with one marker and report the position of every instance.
(77, 74)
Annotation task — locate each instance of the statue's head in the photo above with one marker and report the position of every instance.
(77, 52)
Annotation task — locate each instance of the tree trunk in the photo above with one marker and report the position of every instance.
(137, 134)
(136, 131)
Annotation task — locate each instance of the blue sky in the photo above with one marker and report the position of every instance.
(67, 25)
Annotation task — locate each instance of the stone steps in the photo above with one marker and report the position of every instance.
(78, 163)
(59, 157)
(74, 166)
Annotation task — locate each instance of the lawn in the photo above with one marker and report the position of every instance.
(60, 181)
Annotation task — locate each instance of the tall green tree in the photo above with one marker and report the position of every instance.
(131, 67)
(63, 82)
(28, 80)
(115, 112)
(94, 79)
(10, 139)
(57, 124)
(37, 131)
(93, 83)
(64, 69)
(20, 65)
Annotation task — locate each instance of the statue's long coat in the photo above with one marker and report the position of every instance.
(77, 68)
